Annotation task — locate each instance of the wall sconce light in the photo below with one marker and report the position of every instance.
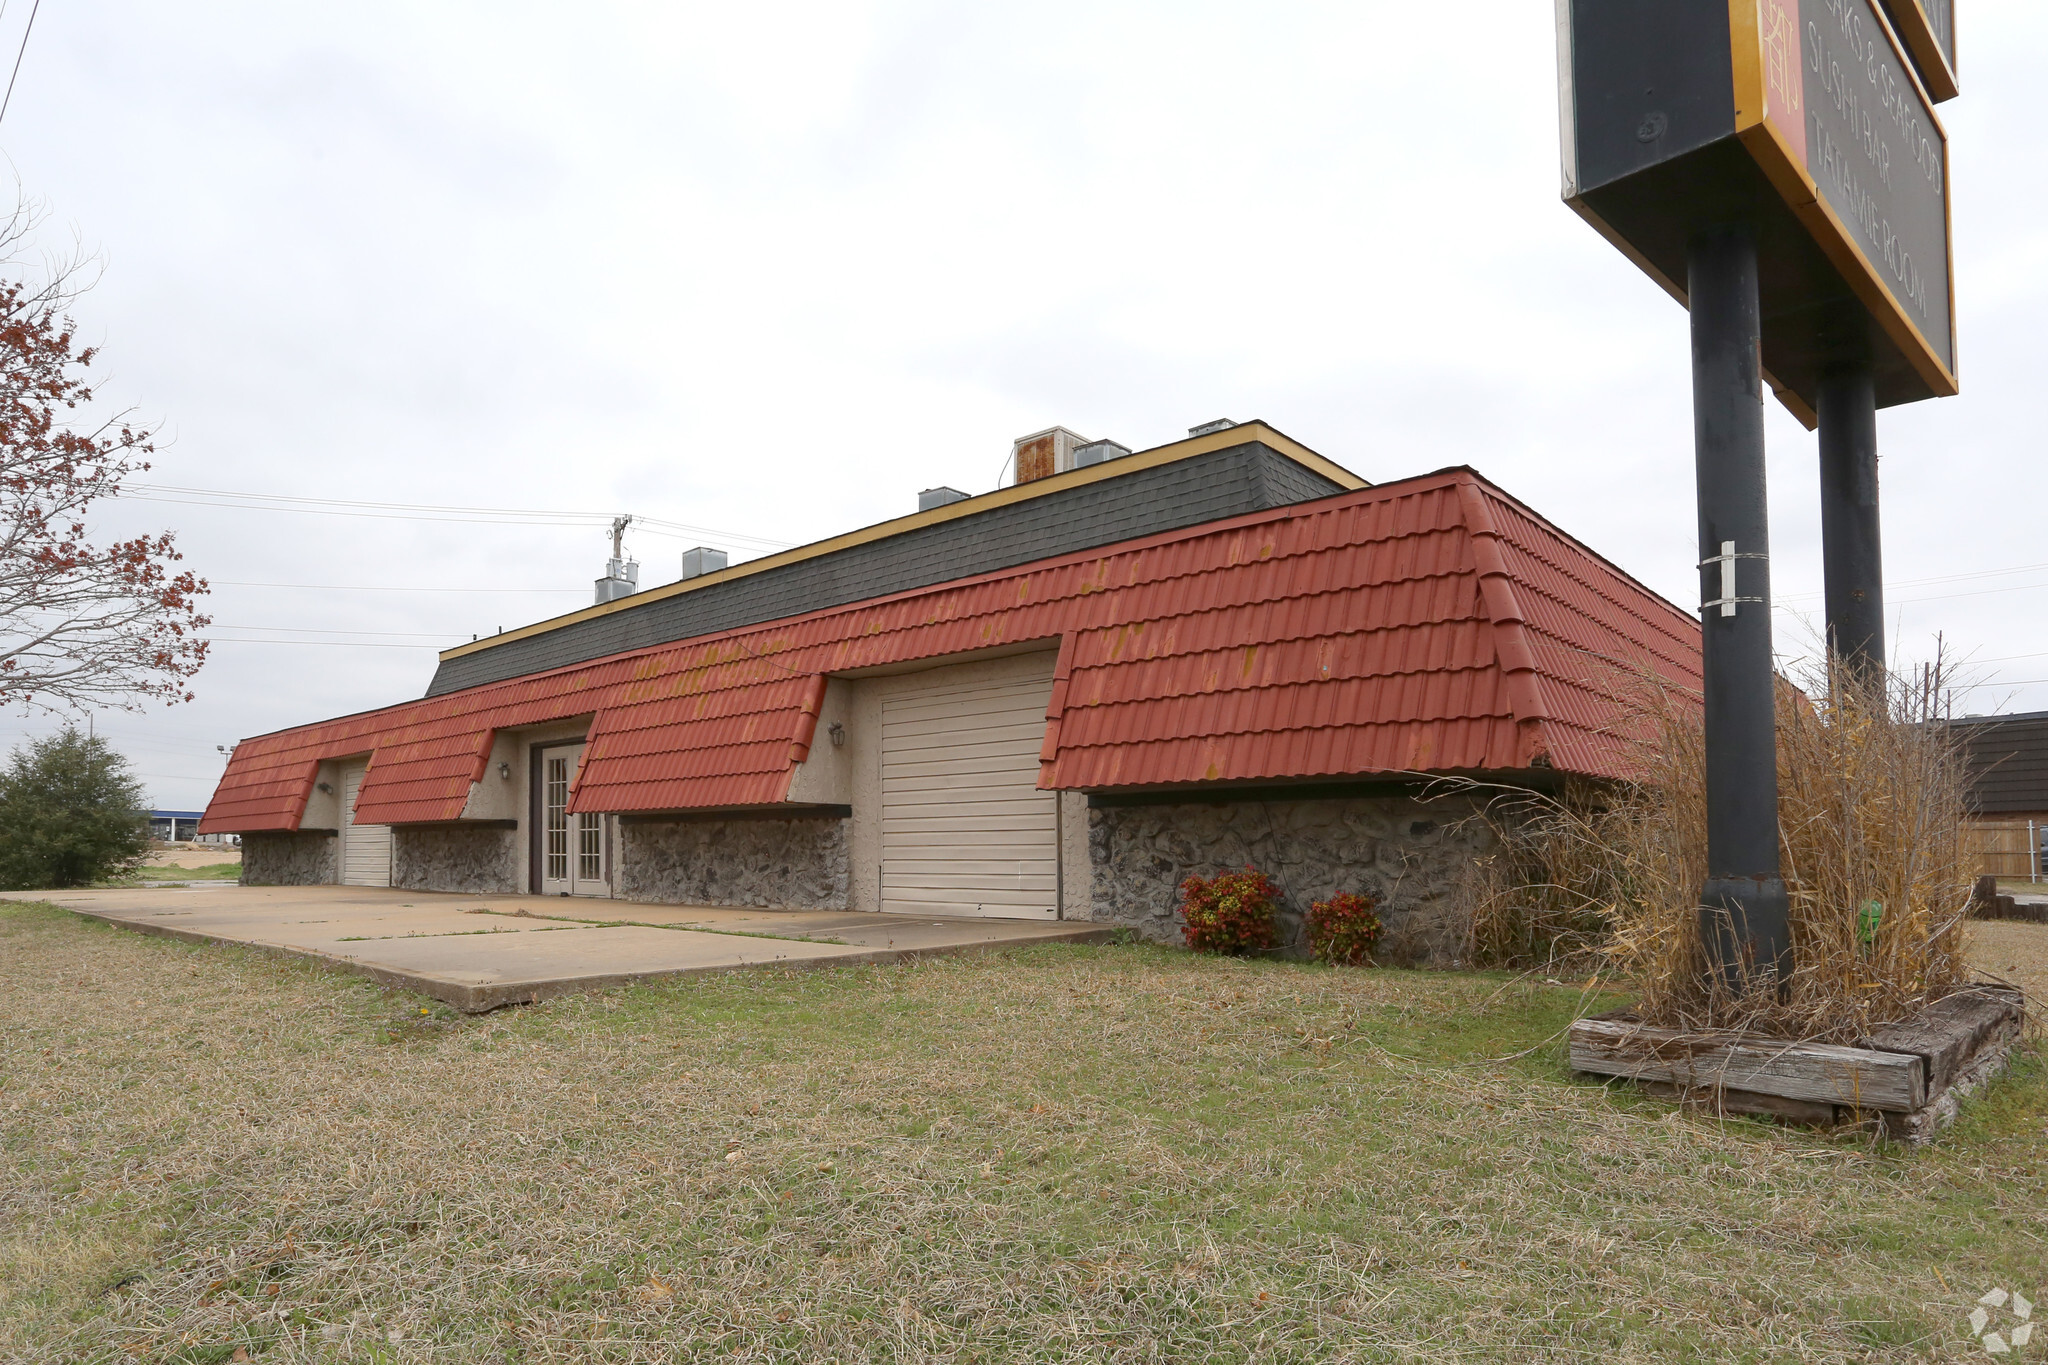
(837, 732)
(327, 788)
(505, 771)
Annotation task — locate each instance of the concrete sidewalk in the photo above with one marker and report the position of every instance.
(480, 952)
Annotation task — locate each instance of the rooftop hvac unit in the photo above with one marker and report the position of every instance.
(702, 560)
(1095, 452)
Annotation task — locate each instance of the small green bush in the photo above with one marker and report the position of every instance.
(1230, 913)
(1344, 929)
(71, 814)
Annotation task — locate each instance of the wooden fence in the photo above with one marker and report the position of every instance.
(2007, 850)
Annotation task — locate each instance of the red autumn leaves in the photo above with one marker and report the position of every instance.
(81, 624)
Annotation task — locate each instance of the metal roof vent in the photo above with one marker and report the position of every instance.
(1220, 424)
(938, 497)
(700, 561)
(1095, 452)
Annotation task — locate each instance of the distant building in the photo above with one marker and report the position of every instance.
(2007, 758)
(2008, 763)
(182, 826)
(174, 826)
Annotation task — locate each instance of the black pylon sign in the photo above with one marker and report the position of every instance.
(1806, 118)
(1777, 166)
(1927, 28)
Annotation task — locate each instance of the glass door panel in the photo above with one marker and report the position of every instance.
(573, 847)
(590, 848)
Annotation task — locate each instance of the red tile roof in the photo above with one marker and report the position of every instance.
(1430, 625)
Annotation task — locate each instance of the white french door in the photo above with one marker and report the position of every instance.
(572, 847)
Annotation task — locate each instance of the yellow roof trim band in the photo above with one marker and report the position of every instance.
(1001, 497)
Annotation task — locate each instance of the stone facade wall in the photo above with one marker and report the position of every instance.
(1407, 854)
(773, 864)
(289, 859)
(482, 862)
(776, 864)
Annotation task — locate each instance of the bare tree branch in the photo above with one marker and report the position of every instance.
(81, 624)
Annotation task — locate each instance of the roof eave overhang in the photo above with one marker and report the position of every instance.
(1482, 781)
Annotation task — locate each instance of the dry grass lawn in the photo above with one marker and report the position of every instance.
(2012, 951)
(1065, 1153)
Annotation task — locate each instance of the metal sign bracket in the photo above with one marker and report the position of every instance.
(1727, 601)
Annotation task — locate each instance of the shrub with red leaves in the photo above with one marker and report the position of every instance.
(1231, 912)
(1343, 930)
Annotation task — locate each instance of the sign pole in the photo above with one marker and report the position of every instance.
(1743, 907)
(1851, 544)
(1776, 166)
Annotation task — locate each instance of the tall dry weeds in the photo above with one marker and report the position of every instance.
(1870, 813)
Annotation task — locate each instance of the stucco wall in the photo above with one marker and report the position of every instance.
(1407, 854)
(289, 859)
(447, 858)
(779, 864)
(826, 777)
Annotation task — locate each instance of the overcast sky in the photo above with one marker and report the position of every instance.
(770, 269)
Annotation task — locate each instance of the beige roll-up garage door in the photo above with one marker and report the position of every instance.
(365, 849)
(965, 830)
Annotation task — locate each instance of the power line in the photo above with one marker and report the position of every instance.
(353, 630)
(1999, 682)
(1937, 581)
(1784, 603)
(18, 56)
(460, 518)
(418, 511)
(1975, 573)
(1981, 592)
(381, 587)
(338, 644)
(316, 630)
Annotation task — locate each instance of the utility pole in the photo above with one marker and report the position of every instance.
(619, 525)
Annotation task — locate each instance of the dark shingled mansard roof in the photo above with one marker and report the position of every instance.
(1246, 468)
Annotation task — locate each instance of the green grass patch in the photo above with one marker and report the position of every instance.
(212, 872)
